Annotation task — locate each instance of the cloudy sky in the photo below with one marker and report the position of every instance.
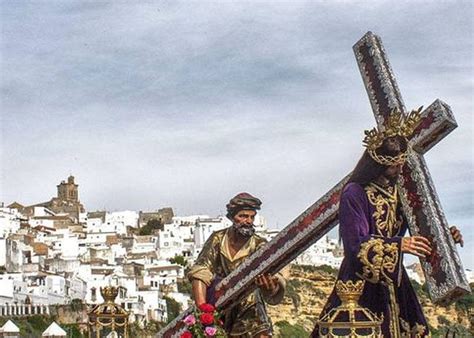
(184, 104)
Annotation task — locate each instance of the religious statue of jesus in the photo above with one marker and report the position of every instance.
(373, 228)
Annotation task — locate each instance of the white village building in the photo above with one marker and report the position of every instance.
(9, 221)
(326, 251)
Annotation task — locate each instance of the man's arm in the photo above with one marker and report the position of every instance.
(202, 272)
(199, 292)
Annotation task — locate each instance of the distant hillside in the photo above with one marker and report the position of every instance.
(309, 287)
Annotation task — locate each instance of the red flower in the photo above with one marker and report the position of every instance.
(206, 308)
(207, 318)
(186, 334)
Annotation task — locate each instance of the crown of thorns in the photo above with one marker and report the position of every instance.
(396, 124)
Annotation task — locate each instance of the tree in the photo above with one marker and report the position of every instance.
(185, 286)
(292, 292)
(466, 302)
(173, 308)
(178, 259)
(151, 225)
(77, 304)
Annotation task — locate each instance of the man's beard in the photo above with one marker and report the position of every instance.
(245, 231)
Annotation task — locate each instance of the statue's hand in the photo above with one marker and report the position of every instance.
(416, 245)
(457, 236)
(268, 283)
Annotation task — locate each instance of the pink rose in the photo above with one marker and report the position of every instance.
(189, 320)
(210, 331)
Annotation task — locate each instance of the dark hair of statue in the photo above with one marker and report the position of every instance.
(367, 169)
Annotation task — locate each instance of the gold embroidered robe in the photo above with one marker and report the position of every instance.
(371, 228)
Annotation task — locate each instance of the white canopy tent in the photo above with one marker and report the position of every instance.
(53, 331)
(9, 329)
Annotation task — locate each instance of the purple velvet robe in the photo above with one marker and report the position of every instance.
(372, 226)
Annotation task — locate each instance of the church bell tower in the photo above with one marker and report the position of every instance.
(68, 191)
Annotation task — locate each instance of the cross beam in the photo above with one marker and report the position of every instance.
(322, 216)
(443, 269)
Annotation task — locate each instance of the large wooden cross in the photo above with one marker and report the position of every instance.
(443, 271)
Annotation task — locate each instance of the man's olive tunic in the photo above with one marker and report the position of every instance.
(249, 317)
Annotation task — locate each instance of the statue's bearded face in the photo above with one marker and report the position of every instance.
(243, 222)
(394, 146)
(392, 173)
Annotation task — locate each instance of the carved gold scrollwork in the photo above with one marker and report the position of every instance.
(378, 258)
(385, 214)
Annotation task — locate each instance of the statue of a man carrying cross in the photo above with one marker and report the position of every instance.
(224, 252)
(372, 227)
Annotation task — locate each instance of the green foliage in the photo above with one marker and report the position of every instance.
(291, 331)
(174, 308)
(301, 283)
(292, 292)
(185, 286)
(328, 269)
(135, 330)
(154, 326)
(179, 260)
(151, 225)
(150, 329)
(321, 268)
(434, 332)
(419, 289)
(320, 293)
(34, 326)
(454, 330)
(294, 283)
(36, 323)
(466, 302)
(30, 326)
(72, 330)
(442, 320)
(76, 304)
